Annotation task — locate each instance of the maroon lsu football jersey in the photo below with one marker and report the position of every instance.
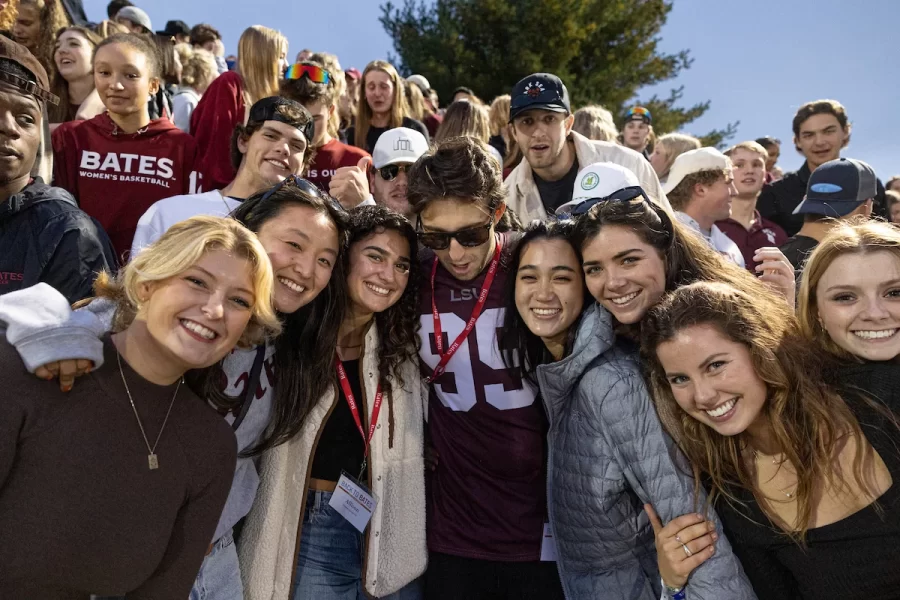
(487, 497)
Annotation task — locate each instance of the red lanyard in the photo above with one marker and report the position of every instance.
(354, 408)
(476, 312)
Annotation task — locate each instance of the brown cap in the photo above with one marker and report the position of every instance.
(40, 85)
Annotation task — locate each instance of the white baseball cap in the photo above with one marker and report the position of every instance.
(398, 145)
(701, 159)
(598, 180)
(420, 81)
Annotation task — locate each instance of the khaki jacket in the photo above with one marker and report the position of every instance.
(525, 199)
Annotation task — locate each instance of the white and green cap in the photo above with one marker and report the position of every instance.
(599, 180)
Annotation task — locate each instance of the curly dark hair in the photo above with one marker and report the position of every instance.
(460, 167)
(398, 326)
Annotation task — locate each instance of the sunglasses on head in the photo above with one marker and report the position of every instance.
(468, 238)
(314, 73)
(638, 111)
(304, 186)
(622, 195)
(390, 172)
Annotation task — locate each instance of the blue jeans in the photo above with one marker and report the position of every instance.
(331, 551)
(220, 575)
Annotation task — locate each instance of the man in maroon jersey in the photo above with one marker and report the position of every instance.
(486, 497)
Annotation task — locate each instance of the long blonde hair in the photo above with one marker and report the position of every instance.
(52, 18)
(860, 236)
(8, 15)
(364, 111)
(177, 250)
(259, 52)
(676, 144)
(809, 420)
(464, 119)
(498, 116)
(595, 123)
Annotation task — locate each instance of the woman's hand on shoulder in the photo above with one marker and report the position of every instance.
(66, 370)
(684, 544)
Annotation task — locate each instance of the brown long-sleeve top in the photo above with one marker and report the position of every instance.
(80, 511)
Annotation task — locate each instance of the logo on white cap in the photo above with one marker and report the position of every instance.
(399, 145)
(599, 180)
(590, 181)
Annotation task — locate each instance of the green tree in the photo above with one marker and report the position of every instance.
(604, 50)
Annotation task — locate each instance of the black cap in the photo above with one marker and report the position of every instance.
(174, 28)
(269, 109)
(543, 91)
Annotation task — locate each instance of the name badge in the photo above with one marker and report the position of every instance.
(548, 545)
(353, 502)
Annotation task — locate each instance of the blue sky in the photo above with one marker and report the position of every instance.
(757, 61)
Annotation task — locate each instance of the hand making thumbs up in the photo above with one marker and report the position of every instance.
(350, 185)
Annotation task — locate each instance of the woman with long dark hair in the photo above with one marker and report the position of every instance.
(803, 473)
(267, 392)
(366, 428)
(607, 450)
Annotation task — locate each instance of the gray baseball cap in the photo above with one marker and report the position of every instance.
(838, 187)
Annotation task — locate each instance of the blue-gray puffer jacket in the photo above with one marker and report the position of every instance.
(608, 456)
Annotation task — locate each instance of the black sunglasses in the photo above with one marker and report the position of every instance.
(390, 172)
(304, 186)
(468, 238)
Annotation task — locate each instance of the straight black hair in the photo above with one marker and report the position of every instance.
(517, 343)
(304, 352)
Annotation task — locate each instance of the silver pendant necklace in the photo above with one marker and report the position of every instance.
(152, 460)
(757, 455)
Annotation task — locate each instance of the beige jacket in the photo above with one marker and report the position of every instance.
(396, 552)
(525, 199)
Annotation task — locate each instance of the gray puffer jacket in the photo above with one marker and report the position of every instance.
(608, 456)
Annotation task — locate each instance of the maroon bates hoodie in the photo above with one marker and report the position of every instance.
(116, 176)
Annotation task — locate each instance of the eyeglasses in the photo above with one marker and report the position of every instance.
(314, 73)
(468, 238)
(390, 172)
(304, 186)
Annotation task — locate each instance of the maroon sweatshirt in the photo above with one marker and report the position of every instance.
(117, 176)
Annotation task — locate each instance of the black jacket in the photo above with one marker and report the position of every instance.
(779, 199)
(45, 237)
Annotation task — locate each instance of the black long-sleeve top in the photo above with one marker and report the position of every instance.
(856, 558)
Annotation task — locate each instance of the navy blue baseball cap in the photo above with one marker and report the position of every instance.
(838, 187)
(539, 91)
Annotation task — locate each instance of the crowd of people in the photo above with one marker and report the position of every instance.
(288, 331)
